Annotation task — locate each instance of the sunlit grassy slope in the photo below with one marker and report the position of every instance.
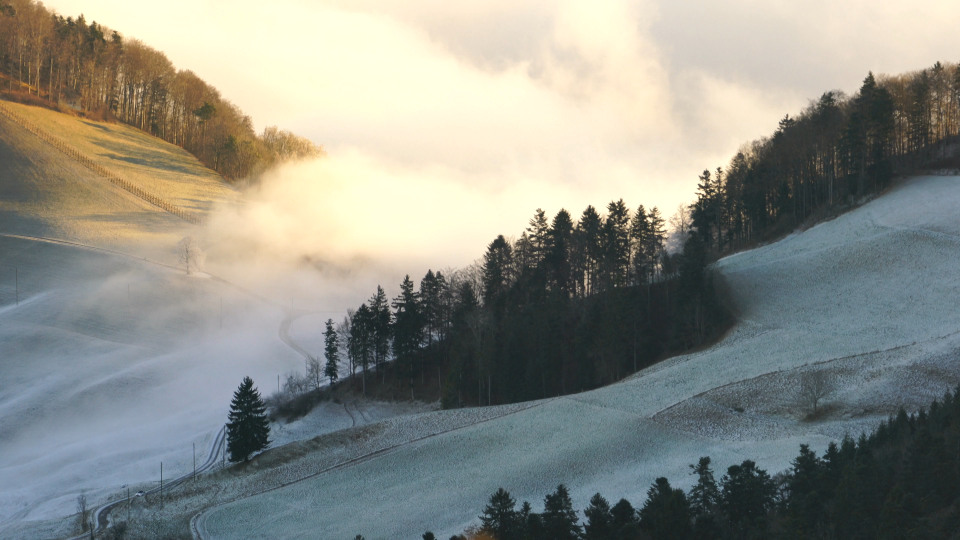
(43, 192)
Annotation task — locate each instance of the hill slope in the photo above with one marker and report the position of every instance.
(870, 298)
(112, 360)
(44, 192)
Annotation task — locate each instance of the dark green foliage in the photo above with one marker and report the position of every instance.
(666, 513)
(623, 514)
(428, 536)
(567, 307)
(560, 521)
(599, 520)
(500, 517)
(248, 430)
(704, 495)
(747, 495)
(900, 482)
(331, 351)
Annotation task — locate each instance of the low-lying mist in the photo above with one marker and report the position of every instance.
(328, 231)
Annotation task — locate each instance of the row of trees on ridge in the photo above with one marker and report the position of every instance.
(837, 150)
(70, 62)
(567, 306)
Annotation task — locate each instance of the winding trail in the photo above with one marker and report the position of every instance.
(102, 513)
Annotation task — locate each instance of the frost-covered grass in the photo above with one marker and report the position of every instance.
(870, 296)
(100, 385)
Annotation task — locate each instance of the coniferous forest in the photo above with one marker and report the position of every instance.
(83, 67)
(575, 303)
(568, 306)
(836, 151)
(901, 481)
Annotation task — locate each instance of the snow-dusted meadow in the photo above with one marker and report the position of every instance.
(871, 297)
(114, 361)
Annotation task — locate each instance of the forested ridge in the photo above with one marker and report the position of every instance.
(900, 481)
(576, 303)
(72, 65)
(568, 306)
(836, 151)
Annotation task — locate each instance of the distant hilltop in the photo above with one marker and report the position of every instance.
(87, 69)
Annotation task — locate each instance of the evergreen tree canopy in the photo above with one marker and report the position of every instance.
(248, 430)
(704, 495)
(500, 517)
(747, 493)
(599, 523)
(560, 521)
(331, 350)
(666, 512)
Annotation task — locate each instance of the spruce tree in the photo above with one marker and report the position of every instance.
(599, 524)
(705, 494)
(248, 430)
(560, 521)
(666, 513)
(331, 350)
(499, 518)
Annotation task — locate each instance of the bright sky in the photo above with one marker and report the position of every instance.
(504, 106)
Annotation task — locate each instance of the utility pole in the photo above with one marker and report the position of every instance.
(278, 384)
(161, 485)
(221, 312)
(194, 462)
(16, 274)
(128, 505)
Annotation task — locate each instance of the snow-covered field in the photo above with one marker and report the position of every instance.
(114, 361)
(870, 297)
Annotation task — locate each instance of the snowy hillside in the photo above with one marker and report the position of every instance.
(112, 359)
(870, 298)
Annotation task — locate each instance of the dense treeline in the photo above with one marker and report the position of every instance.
(902, 481)
(568, 306)
(836, 150)
(70, 63)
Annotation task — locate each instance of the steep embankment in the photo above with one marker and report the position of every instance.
(868, 298)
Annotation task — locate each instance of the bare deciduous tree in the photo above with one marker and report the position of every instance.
(190, 254)
(83, 511)
(814, 387)
(315, 371)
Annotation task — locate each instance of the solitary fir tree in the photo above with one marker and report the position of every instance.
(248, 430)
(331, 348)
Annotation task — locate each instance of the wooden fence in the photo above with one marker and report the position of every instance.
(98, 169)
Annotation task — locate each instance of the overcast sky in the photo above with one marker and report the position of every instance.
(526, 103)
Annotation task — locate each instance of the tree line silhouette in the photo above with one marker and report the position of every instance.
(568, 306)
(836, 151)
(70, 64)
(900, 481)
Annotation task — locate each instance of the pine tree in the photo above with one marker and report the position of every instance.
(380, 327)
(248, 430)
(666, 513)
(560, 521)
(704, 495)
(747, 494)
(500, 517)
(331, 350)
(599, 524)
(623, 514)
